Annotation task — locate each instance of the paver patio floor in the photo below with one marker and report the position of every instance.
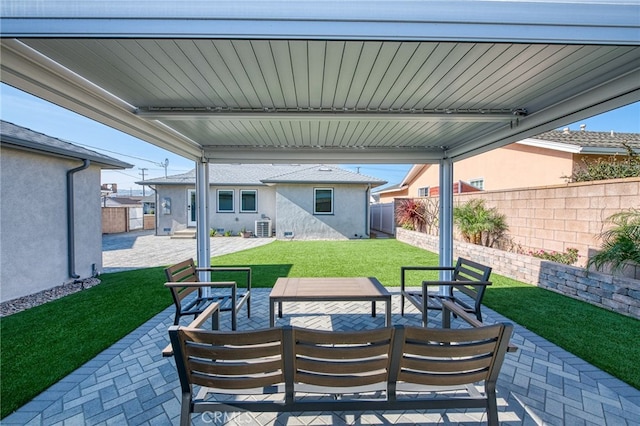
(130, 383)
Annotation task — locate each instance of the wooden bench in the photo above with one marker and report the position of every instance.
(393, 368)
(183, 281)
(468, 278)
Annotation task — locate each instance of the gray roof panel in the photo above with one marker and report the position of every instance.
(23, 138)
(262, 174)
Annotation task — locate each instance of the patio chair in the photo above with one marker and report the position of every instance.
(466, 289)
(183, 281)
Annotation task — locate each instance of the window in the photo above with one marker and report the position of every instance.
(323, 200)
(248, 200)
(423, 192)
(225, 200)
(478, 183)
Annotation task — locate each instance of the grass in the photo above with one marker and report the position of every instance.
(42, 345)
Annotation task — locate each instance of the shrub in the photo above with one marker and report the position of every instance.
(621, 243)
(614, 167)
(479, 224)
(418, 214)
(569, 257)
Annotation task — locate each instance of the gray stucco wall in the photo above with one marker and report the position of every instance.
(294, 204)
(232, 221)
(236, 220)
(33, 222)
(167, 224)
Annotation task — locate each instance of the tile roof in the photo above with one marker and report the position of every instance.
(262, 174)
(24, 138)
(588, 139)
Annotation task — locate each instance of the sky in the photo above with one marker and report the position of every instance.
(41, 116)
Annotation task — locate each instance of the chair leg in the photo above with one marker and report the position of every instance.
(492, 406)
(185, 412)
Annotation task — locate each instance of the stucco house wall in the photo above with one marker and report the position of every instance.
(33, 222)
(35, 254)
(284, 195)
(544, 160)
(237, 220)
(294, 204)
(513, 166)
(175, 219)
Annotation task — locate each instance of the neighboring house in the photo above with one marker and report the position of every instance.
(50, 222)
(546, 159)
(301, 201)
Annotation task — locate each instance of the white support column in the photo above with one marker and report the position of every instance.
(202, 217)
(446, 217)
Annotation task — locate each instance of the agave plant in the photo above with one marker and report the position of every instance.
(620, 243)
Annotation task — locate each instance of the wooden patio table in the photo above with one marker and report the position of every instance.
(329, 290)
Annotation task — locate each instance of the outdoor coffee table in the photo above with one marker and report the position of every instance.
(328, 290)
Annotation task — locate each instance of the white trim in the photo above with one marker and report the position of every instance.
(255, 193)
(556, 146)
(233, 196)
(315, 191)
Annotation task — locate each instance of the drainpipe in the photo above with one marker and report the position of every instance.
(70, 219)
(367, 209)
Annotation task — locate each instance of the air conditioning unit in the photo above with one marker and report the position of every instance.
(263, 228)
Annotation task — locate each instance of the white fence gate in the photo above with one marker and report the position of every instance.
(383, 218)
(136, 218)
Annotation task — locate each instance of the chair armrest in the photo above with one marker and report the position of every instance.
(196, 323)
(197, 284)
(427, 268)
(403, 269)
(245, 269)
(223, 268)
(459, 282)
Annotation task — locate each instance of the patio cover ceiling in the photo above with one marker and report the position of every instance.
(339, 82)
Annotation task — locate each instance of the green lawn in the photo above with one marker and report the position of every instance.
(43, 344)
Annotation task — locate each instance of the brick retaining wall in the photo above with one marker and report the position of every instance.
(618, 294)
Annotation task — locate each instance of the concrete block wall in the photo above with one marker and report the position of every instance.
(555, 218)
(618, 294)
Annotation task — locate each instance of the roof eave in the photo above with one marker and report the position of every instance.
(26, 145)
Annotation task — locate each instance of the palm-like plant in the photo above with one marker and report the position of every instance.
(620, 243)
(478, 224)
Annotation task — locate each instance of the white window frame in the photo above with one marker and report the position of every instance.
(247, 191)
(424, 191)
(233, 209)
(480, 180)
(315, 200)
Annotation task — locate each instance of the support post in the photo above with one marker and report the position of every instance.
(446, 219)
(202, 218)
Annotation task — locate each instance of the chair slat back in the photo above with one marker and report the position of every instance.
(341, 359)
(468, 270)
(184, 271)
(230, 360)
(445, 357)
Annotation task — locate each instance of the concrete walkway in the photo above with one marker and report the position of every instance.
(131, 384)
(142, 249)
